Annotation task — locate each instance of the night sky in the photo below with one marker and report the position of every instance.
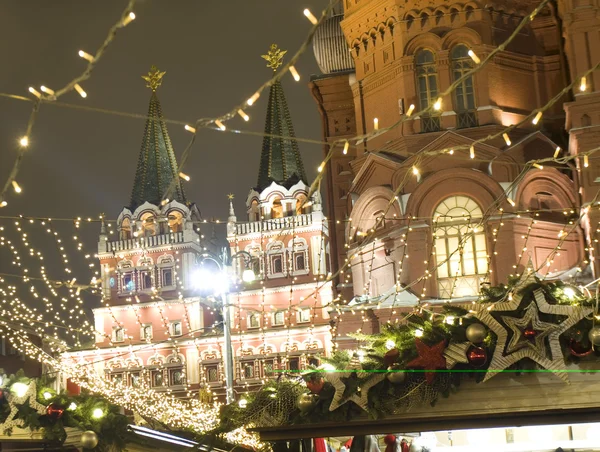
(83, 163)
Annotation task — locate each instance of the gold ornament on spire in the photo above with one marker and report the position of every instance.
(274, 57)
(154, 78)
(230, 196)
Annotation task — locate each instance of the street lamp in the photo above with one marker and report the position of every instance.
(219, 284)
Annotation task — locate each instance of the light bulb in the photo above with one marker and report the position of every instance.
(253, 99)
(557, 152)
(415, 171)
(243, 115)
(450, 320)
(3, 204)
(583, 85)
(72, 406)
(310, 16)
(80, 90)
(511, 202)
(47, 395)
(24, 141)
(19, 389)
(410, 110)
(390, 344)
(294, 73)
(376, 123)
(537, 118)
(506, 139)
(243, 403)
(47, 90)
(35, 92)
(538, 166)
(418, 333)
(97, 413)
(129, 18)
(16, 187)
(472, 151)
(220, 124)
(190, 129)
(586, 161)
(86, 56)
(320, 168)
(438, 104)
(474, 57)
(184, 176)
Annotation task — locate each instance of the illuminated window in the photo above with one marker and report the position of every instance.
(134, 379)
(268, 366)
(157, 378)
(167, 277)
(177, 378)
(126, 229)
(175, 220)
(278, 318)
(464, 95)
(304, 315)
(146, 332)
(460, 247)
(277, 264)
(277, 209)
(299, 261)
(148, 224)
(254, 321)
(427, 88)
(212, 373)
(300, 200)
(146, 279)
(248, 370)
(127, 283)
(176, 329)
(118, 335)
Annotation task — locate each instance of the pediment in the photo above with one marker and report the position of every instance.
(451, 139)
(377, 170)
(532, 147)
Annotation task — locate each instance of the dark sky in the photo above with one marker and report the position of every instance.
(82, 163)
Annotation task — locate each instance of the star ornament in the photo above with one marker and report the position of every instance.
(338, 380)
(29, 396)
(527, 336)
(430, 358)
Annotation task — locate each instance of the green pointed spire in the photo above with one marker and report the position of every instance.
(280, 159)
(157, 166)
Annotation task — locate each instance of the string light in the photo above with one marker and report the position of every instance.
(310, 16)
(35, 92)
(3, 204)
(220, 124)
(243, 115)
(129, 18)
(472, 151)
(24, 141)
(294, 73)
(438, 104)
(538, 166)
(415, 171)
(511, 202)
(583, 84)
(586, 161)
(47, 90)
(320, 168)
(410, 110)
(253, 99)
(474, 57)
(537, 118)
(557, 152)
(190, 129)
(375, 123)
(16, 187)
(506, 139)
(86, 56)
(346, 146)
(80, 90)
(184, 176)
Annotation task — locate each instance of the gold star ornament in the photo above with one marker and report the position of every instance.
(274, 57)
(154, 78)
(230, 196)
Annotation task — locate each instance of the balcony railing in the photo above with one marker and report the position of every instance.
(274, 224)
(466, 119)
(145, 242)
(430, 124)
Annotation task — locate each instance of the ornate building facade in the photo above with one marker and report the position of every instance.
(476, 212)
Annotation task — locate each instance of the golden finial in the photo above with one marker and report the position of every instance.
(274, 57)
(154, 78)
(230, 196)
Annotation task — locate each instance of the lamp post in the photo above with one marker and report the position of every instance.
(220, 284)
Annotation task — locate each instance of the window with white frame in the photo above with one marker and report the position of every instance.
(298, 250)
(248, 369)
(146, 279)
(254, 321)
(276, 260)
(276, 264)
(176, 328)
(299, 261)
(146, 331)
(278, 318)
(127, 282)
(118, 334)
(303, 315)
(460, 247)
(212, 373)
(176, 377)
(166, 275)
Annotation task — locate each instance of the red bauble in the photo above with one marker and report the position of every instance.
(530, 333)
(477, 356)
(54, 411)
(389, 439)
(315, 386)
(578, 349)
(391, 357)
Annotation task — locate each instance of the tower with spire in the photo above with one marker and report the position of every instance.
(281, 319)
(153, 329)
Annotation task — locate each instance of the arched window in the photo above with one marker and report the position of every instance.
(175, 221)
(277, 209)
(148, 224)
(300, 200)
(427, 88)
(464, 95)
(460, 247)
(254, 211)
(125, 229)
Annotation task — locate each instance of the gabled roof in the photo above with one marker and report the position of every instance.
(280, 159)
(157, 167)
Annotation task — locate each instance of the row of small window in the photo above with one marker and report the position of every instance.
(253, 369)
(158, 377)
(130, 281)
(277, 265)
(278, 318)
(146, 332)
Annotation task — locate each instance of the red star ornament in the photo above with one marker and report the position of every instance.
(430, 358)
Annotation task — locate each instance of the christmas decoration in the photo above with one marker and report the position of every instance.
(477, 356)
(54, 411)
(316, 385)
(594, 335)
(512, 344)
(89, 439)
(396, 374)
(476, 333)
(456, 353)
(391, 357)
(306, 402)
(430, 358)
(578, 349)
(337, 380)
(28, 397)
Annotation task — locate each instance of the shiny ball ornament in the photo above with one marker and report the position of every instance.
(315, 386)
(391, 357)
(54, 411)
(394, 376)
(477, 356)
(306, 402)
(89, 439)
(578, 349)
(594, 335)
(476, 333)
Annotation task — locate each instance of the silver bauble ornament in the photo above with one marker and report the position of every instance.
(394, 376)
(594, 335)
(89, 439)
(476, 333)
(306, 402)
